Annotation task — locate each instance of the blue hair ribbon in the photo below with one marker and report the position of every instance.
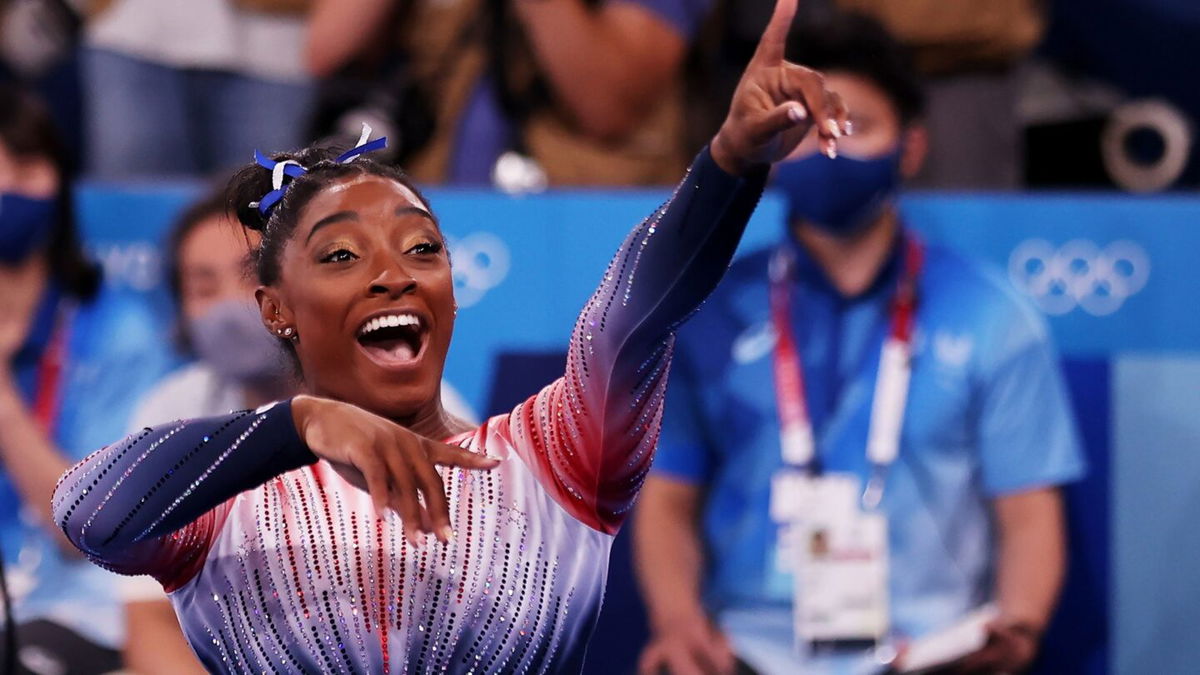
(293, 169)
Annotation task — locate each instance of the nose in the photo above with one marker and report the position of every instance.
(392, 279)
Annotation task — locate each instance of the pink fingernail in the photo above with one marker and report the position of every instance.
(849, 127)
(797, 113)
(831, 150)
(832, 125)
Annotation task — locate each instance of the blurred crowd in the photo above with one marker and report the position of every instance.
(518, 93)
(523, 95)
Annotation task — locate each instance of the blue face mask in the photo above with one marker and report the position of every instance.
(840, 196)
(25, 224)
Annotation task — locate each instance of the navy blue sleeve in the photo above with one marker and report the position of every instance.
(589, 436)
(118, 505)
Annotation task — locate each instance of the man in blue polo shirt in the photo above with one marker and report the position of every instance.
(910, 379)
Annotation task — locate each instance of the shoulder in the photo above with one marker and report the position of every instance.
(119, 320)
(973, 296)
(180, 395)
(116, 338)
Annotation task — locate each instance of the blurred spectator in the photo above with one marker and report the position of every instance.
(174, 87)
(591, 90)
(970, 53)
(36, 35)
(953, 507)
(73, 358)
(238, 365)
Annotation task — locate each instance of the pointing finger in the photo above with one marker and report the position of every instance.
(774, 38)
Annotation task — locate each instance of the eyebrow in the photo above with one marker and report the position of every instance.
(341, 216)
(330, 220)
(410, 210)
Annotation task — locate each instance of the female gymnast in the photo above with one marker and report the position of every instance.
(271, 528)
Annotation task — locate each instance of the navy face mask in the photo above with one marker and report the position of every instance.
(840, 196)
(25, 224)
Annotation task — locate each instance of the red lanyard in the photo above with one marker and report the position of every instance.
(47, 400)
(797, 442)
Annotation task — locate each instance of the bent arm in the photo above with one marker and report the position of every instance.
(668, 555)
(591, 434)
(1032, 557)
(148, 504)
(605, 65)
(338, 30)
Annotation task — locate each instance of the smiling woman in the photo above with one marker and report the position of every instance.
(271, 528)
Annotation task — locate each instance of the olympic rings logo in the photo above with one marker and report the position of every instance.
(481, 262)
(1079, 274)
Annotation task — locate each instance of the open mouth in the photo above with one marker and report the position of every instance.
(393, 340)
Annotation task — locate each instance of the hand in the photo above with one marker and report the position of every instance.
(1010, 648)
(692, 647)
(13, 331)
(387, 461)
(776, 104)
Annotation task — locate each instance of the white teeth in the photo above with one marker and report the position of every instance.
(389, 321)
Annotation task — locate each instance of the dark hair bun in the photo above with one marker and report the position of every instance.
(249, 185)
(253, 182)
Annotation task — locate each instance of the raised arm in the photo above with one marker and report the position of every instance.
(590, 435)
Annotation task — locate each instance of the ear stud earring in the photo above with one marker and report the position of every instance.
(287, 333)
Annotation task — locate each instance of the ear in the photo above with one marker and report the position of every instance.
(916, 148)
(275, 315)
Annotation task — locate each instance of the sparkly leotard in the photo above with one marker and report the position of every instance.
(275, 564)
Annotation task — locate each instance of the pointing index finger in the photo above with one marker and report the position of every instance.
(774, 38)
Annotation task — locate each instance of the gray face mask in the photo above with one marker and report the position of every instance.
(230, 338)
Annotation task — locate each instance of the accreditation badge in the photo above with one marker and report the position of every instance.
(841, 579)
(837, 555)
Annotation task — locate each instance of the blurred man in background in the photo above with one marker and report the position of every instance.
(903, 471)
(74, 357)
(589, 90)
(971, 56)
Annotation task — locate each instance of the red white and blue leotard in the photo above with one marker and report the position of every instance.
(275, 564)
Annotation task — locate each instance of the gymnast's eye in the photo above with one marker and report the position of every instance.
(339, 255)
(427, 248)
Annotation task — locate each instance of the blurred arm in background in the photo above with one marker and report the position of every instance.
(604, 64)
(29, 457)
(338, 30)
(1031, 562)
(156, 645)
(669, 560)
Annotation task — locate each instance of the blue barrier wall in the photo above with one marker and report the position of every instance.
(1116, 276)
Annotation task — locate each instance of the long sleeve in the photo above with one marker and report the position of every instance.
(590, 435)
(153, 502)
